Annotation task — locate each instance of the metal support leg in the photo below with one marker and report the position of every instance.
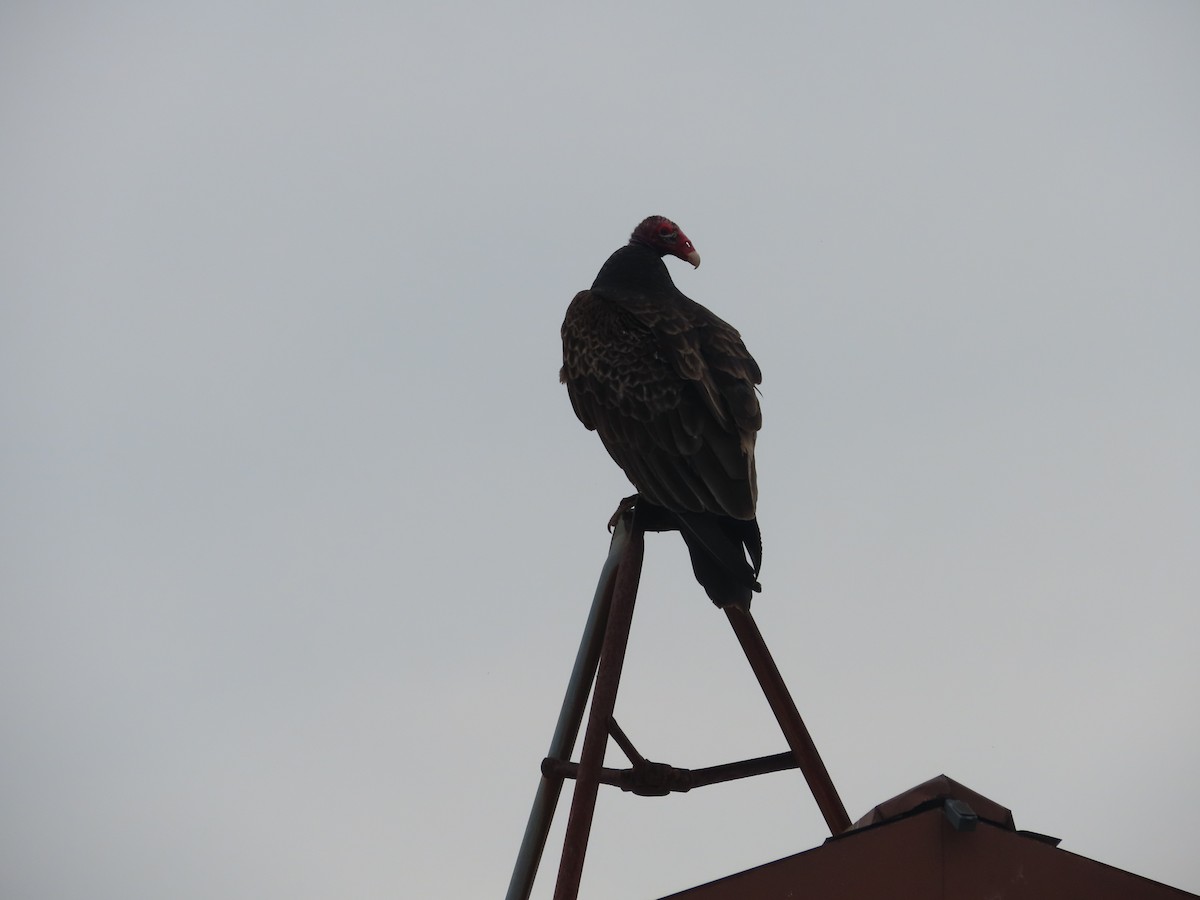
(569, 719)
(789, 719)
(595, 738)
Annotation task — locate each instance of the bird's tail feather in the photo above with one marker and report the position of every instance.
(718, 546)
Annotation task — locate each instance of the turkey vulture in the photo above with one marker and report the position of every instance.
(670, 389)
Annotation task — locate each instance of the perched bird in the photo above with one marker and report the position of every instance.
(670, 389)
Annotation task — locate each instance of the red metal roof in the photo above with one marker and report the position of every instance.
(937, 841)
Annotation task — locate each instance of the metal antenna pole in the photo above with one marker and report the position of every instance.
(537, 830)
(604, 698)
(784, 708)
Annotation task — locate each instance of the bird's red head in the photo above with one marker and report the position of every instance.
(664, 237)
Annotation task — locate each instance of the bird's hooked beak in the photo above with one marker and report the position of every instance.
(687, 251)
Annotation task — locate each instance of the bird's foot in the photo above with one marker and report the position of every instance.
(622, 508)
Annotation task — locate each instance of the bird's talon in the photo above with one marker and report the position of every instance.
(623, 507)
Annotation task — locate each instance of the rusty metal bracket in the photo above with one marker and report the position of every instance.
(651, 779)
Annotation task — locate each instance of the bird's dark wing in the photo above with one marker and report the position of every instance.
(669, 387)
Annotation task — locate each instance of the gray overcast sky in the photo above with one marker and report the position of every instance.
(299, 531)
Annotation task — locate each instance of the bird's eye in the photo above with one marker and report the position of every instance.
(665, 231)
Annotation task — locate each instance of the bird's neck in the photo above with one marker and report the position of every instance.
(635, 267)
